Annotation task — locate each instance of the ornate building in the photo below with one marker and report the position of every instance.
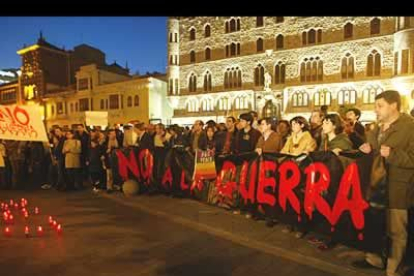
(66, 83)
(285, 66)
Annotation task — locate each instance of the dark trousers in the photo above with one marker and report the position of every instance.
(98, 179)
(74, 178)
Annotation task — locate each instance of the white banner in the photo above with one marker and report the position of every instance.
(96, 118)
(22, 122)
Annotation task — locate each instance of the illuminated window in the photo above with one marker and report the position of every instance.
(114, 101)
(370, 92)
(374, 64)
(347, 96)
(347, 67)
(322, 97)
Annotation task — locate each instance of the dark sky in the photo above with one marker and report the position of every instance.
(141, 41)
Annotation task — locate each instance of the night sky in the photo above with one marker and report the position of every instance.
(142, 41)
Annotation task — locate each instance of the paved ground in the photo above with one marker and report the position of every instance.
(157, 235)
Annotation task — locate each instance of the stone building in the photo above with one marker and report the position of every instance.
(286, 66)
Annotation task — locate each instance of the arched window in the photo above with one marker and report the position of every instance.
(322, 97)
(206, 105)
(238, 25)
(375, 26)
(346, 96)
(192, 34)
(311, 36)
(232, 25)
(311, 69)
(347, 67)
(259, 45)
(300, 99)
(171, 37)
(259, 75)
(348, 30)
(370, 92)
(319, 36)
(207, 31)
(207, 82)
(280, 73)
(192, 106)
(192, 56)
(241, 102)
(208, 54)
(304, 41)
(259, 21)
(102, 104)
(233, 49)
(192, 83)
(129, 101)
(374, 64)
(136, 100)
(224, 103)
(279, 42)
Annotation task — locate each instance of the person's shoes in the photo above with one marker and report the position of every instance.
(287, 229)
(95, 190)
(236, 212)
(363, 264)
(300, 234)
(46, 186)
(248, 216)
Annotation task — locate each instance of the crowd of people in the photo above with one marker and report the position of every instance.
(74, 157)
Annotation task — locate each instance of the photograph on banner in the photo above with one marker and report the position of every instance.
(22, 122)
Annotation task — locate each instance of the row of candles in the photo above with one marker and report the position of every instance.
(9, 218)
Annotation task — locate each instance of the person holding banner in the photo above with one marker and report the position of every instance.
(393, 140)
(301, 140)
(334, 138)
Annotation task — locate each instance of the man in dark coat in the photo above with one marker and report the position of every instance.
(393, 140)
(356, 131)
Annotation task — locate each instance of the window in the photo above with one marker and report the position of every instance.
(59, 108)
(259, 21)
(279, 42)
(192, 106)
(404, 61)
(346, 96)
(375, 26)
(322, 97)
(102, 104)
(207, 82)
(207, 31)
(71, 107)
(233, 78)
(106, 104)
(136, 100)
(311, 36)
(241, 102)
(238, 25)
(192, 56)
(233, 49)
(300, 99)
(259, 75)
(304, 35)
(129, 101)
(370, 92)
(208, 54)
(280, 73)
(374, 64)
(347, 67)
(348, 30)
(170, 87)
(192, 83)
(176, 37)
(52, 110)
(76, 107)
(224, 103)
(206, 105)
(192, 34)
(279, 19)
(84, 104)
(176, 86)
(259, 45)
(311, 69)
(319, 36)
(171, 37)
(227, 27)
(114, 101)
(171, 60)
(83, 84)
